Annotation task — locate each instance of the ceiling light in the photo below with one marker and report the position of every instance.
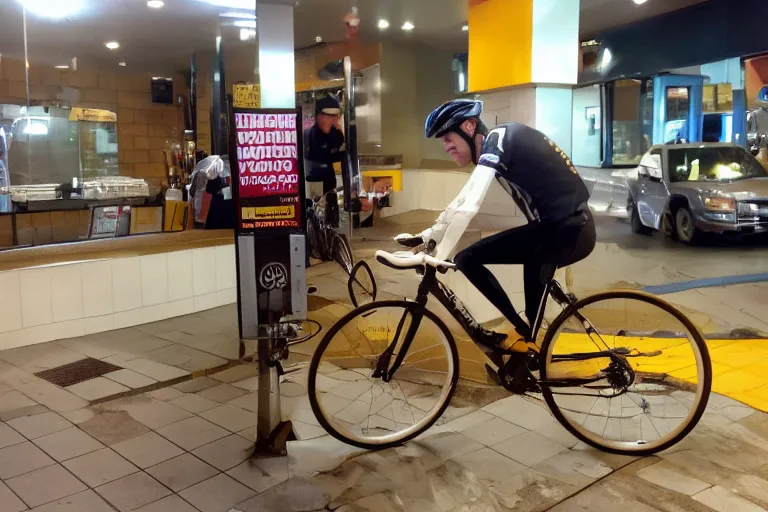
(408, 26)
(233, 4)
(465, 28)
(62, 66)
(52, 8)
(639, 2)
(246, 34)
(155, 4)
(122, 64)
(383, 24)
(245, 23)
(240, 15)
(112, 45)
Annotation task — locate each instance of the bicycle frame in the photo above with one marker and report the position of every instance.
(430, 285)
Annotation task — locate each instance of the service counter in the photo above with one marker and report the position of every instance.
(73, 289)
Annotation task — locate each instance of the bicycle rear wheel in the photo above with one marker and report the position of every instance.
(365, 411)
(625, 372)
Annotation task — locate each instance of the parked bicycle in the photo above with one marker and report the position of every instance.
(638, 384)
(325, 243)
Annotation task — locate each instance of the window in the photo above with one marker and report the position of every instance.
(587, 126)
(631, 111)
(723, 163)
(678, 110)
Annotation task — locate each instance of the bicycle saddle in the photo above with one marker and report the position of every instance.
(403, 260)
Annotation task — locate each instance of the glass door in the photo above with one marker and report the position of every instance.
(678, 108)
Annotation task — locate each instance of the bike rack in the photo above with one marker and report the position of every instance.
(272, 433)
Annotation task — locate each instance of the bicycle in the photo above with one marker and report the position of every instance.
(386, 372)
(325, 243)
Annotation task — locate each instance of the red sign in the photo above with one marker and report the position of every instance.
(267, 154)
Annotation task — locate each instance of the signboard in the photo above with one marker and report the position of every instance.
(90, 114)
(246, 95)
(269, 162)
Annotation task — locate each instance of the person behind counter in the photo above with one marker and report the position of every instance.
(324, 146)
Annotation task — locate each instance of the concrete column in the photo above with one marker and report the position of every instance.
(277, 69)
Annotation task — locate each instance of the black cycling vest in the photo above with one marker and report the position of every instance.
(546, 184)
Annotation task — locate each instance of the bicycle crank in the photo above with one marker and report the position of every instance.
(516, 377)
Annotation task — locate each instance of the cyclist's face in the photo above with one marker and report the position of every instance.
(457, 147)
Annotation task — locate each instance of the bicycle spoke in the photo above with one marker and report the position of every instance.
(639, 390)
(377, 411)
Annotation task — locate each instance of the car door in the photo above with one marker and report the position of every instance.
(651, 192)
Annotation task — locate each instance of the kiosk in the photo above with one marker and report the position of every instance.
(268, 189)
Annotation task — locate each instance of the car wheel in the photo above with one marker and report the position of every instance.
(685, 226)
(637, 225)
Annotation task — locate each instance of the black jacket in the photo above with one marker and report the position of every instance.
(545, 183)
(321, 151)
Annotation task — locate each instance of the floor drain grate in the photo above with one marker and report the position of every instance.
(79, 371)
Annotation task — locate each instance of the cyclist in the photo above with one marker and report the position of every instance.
(324, 146)
(547, 188)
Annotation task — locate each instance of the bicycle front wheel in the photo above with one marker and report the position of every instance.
(342, 252)
(363, 410)
(361, 284)
(625, 372)
(313, 239)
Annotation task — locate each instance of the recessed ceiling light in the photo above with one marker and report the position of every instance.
(241, 15)
(383, 24)
(122, 64)
(639, 2)
(246, 34)
(112, 45)
(155, 4)
(53, 8)
(408, 26)
(62, 66)
(465, 28)
(233, 4)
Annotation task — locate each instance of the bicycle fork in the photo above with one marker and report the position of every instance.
(383, 369)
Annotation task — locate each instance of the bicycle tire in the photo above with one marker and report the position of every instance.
(361, 266)
(342, 253)
(654, 301)
(329, 336)
(313, 238)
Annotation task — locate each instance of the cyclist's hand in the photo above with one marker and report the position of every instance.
(409, 240)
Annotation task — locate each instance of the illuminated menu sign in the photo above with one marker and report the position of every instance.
(269, 174)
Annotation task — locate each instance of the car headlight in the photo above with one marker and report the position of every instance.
(720, 204)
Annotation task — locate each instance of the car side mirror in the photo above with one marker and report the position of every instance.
(654, 173)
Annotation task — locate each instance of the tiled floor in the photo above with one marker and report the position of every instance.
(174, 450)
(187, 447)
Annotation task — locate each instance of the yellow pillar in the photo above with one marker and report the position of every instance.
(519, 42)
(500, 43)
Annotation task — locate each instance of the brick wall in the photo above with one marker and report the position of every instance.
(204, 81)
(143, 127)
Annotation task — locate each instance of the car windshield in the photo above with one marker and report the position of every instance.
(713, 163)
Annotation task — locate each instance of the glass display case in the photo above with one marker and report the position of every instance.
(55, 146)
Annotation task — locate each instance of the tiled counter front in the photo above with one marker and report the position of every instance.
(72, 299)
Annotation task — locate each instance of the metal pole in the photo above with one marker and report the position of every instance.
(26, 79)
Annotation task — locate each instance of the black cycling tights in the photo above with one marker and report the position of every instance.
(537, 246)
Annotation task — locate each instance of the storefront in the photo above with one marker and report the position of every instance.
(688, 76)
